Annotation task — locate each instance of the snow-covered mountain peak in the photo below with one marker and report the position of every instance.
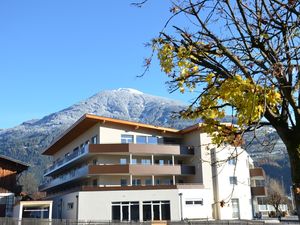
(130, 90)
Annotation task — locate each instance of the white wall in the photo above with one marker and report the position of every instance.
(112, 133)
(97, 205)
(197, 211)
(65, 212)
(226, 191)
(87, 135)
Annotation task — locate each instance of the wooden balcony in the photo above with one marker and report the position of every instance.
(117, 149)
(140, 169)
(116, 169)
(142, 149)
(257, 172)
(258, 191)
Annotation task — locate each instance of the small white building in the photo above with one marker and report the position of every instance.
(33, 209)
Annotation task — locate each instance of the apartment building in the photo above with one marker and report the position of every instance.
(109, 169)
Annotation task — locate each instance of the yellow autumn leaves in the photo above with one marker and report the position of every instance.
(247, 98)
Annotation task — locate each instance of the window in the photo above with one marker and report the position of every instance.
(233, 180)
(262, 200)
(156, 210)
(95, 161)
(232, 161)
(95, 182)
(136, 182)
(94, 140)
(123, 182)
(116, 212)
(10, 200)
(198, 202)
(76, 151)
(168, 181)
(194, 202)
(123, 161)
(141, 139)
(235, 208)
(81, 147)
(70, 205)
(157, 181)
(152, 140)
(146, 161)
(146, 139)
(161, 162)
(148, 182)
(125, 138)
(125, 211)
(133, 161)
(259, 183)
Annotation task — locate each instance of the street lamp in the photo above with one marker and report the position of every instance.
(181, 210)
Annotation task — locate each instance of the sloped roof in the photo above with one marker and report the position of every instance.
(89, 120)
(18, 165)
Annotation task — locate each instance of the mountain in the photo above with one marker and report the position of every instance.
(26, 141)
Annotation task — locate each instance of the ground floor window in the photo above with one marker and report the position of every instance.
(156, 210)
(125, 211)
(35, 212)
(151, 210)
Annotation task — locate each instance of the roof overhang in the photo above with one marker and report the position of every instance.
(18, 165)
(87, 121)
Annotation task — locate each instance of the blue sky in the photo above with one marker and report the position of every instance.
(56, 53)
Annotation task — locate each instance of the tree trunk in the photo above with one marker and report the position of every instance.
(293, 148)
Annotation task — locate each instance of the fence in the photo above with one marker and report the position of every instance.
(32, 221)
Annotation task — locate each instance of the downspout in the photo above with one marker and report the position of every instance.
(77, 206)
(215, 184)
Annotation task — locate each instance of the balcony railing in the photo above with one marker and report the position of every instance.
(105, 148)
(72, 175)
(135, 169)
(67, 159)
(269, 208)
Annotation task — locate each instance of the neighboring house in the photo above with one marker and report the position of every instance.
(260, 194)
(110, 169)
(258, 191)
(10, 169)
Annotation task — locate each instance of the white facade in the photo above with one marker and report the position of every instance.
(33, 209)
(171, 176)
(232, 191)
(97, 206)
